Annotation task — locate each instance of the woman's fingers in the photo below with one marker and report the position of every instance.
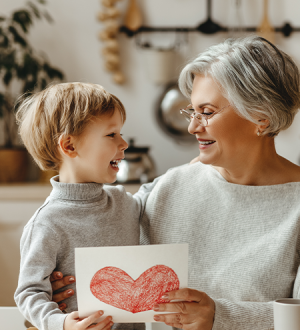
(203, 321)
(62, 306)
(57, 297)
(175, 325)
(58, 281)
(195, 310)
(55, 276)
(178, 306)
(185, 294)
(173, 318)
(62, 282)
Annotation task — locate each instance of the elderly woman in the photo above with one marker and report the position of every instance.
(238, 205)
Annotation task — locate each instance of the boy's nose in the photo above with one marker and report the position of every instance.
(123, 144)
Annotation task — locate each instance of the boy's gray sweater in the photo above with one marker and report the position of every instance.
(74, 215)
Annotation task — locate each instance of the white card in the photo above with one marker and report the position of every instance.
(126, 281)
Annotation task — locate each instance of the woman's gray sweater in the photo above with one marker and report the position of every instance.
(74, 215)
(244, 241)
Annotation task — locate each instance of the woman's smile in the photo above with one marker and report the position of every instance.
(204, 144)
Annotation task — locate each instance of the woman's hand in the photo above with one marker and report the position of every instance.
(194, 313)
(59, 281)
(73, 322)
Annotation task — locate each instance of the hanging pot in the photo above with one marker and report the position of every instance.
(168, 116)
(137, 166)
(159, 64)
(209, 26)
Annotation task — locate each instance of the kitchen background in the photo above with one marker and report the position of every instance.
(71, 43)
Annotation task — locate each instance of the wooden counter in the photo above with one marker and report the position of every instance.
(37, 191)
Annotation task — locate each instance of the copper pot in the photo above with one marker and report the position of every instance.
(13, 165)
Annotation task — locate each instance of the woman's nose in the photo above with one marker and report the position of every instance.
(195, 127)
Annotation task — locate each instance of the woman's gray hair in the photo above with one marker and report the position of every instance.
(259, 80)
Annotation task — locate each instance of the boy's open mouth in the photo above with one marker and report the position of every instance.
(115, 163)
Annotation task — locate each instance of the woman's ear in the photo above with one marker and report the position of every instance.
(66, 145)
(263, 124)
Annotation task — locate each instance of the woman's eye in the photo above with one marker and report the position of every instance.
(112, 135)
(207, 111)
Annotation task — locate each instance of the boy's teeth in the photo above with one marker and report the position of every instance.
(115, 163)
(206, 142)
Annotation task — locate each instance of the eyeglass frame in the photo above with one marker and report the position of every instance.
(189, 117)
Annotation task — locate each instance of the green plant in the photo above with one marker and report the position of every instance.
(22, 69)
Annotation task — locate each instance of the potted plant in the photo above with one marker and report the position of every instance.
(22, 70)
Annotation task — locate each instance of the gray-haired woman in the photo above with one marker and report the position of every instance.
(238, 205)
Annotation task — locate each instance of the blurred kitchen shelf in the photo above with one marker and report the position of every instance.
(37, 191)
(208, 27)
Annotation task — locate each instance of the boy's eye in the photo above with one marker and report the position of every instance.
(113, 134)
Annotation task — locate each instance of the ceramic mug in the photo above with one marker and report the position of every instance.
(287, 314)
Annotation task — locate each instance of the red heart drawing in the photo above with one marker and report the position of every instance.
(115, 287)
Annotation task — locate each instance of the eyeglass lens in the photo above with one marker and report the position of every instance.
(189, 114)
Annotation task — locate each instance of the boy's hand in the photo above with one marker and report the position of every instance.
(73, 322)
(59, 281)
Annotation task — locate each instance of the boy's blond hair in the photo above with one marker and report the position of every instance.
(61, 109)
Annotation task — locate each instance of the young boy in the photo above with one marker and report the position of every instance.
(74, 128)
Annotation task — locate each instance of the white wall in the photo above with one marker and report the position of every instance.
(71, 44)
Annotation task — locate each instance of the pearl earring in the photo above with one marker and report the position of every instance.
(258, 133)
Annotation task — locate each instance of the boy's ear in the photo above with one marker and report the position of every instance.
(66, 144)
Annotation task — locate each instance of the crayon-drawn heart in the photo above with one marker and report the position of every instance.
(115, 287)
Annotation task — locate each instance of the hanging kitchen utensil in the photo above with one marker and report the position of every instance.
(235, 19)
(265, 29)
(133, 17)
(137, 166)
(159, 54)
(209, 27)
(109, 36)
(168, 116)
(159, 64)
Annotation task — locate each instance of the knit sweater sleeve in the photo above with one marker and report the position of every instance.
(39, 246)
(243, 315)
(250, 315)
(142, 195)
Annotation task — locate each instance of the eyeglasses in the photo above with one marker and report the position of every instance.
(202, 118)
